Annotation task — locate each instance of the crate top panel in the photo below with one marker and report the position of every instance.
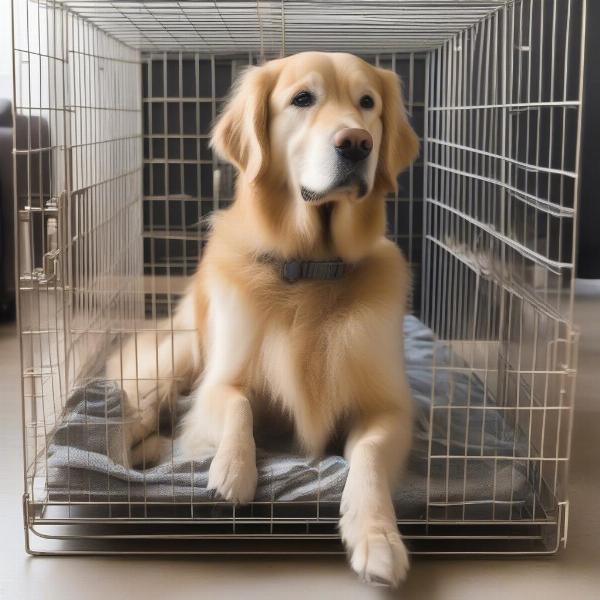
(283, 27)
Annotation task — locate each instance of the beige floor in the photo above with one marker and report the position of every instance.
(573, 575)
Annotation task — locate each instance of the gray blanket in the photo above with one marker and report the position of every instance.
(478, 462)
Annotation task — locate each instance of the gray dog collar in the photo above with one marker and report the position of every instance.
(295, 270)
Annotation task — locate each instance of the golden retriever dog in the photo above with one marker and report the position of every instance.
(296, 309)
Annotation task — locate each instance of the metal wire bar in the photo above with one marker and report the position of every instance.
(479, 139)
(229, 26)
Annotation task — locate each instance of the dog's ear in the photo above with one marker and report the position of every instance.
(399, 142)
(241, 135)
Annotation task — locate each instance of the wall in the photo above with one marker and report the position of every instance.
(589, 213)
(5, 50)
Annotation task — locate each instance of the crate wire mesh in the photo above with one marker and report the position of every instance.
(114, 176)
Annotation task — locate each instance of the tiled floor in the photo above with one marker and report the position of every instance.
(573, 575)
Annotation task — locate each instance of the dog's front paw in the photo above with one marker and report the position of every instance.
(380, 558)
(376, 550)
(233, 472)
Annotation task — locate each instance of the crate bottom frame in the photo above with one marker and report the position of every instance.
(61, 534)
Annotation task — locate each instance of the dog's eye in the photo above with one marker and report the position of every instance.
(367, 102)
(304, 99)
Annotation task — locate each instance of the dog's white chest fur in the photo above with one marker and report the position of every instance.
(285, 385)
(279, 370)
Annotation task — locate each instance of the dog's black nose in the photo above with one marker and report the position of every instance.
(353, 144)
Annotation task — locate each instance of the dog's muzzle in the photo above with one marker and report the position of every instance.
(348, 181)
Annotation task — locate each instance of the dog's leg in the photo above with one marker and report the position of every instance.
(221, 415)
(376, 448)
(221, 420)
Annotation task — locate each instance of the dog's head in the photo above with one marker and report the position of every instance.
(330, 126)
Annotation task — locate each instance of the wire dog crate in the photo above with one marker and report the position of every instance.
(113, 176)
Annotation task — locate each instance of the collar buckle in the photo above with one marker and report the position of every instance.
(291, 271)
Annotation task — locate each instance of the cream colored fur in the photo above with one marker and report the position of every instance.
(325, 356)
